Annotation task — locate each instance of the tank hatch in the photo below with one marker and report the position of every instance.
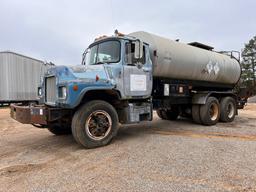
(201, 45)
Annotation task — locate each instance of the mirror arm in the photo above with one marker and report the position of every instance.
(84, 56)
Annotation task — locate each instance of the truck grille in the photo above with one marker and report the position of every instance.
(50, 88)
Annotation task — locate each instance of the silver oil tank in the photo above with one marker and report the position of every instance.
(185, 62)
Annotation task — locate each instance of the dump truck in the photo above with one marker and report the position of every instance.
(124, 78)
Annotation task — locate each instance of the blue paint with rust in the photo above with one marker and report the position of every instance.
(110, 78)
(84, 77)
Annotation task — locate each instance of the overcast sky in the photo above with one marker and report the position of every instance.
(60, 30)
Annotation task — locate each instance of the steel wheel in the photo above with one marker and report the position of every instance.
(214, 111)
(98, 125)
(95, 124)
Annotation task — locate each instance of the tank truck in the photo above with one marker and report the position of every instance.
(124, 78)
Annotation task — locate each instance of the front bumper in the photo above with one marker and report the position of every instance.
(30, 114)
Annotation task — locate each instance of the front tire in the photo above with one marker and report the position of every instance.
(95, 124)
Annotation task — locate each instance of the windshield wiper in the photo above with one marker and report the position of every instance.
(98, 63)
(106, 62)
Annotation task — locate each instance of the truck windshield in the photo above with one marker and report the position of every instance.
(106, 52)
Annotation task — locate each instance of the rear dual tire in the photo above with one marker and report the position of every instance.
(210, 112)
(213, 111)
(228, 109)
(196, 114)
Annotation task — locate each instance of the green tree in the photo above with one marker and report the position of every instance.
(248, 78)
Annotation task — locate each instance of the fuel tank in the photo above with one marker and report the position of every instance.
(175, 60)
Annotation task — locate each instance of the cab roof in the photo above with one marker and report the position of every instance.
(118, 36)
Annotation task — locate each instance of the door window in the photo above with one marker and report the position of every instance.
(129, 54)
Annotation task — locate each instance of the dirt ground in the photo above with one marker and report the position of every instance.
(153, 156)
(252, 100)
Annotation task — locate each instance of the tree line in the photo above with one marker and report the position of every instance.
(248, 65)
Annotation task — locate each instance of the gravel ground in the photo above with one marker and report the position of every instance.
(252, 99)
(153, 156)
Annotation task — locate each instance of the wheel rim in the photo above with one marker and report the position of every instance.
(214, 111)
(98, 125)
(230, 110)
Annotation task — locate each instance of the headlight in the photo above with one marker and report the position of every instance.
(62, 92)
(39, 92)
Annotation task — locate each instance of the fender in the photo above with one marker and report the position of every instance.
(94, 88)
(200, 98)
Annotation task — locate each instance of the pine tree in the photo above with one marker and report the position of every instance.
(248, 77)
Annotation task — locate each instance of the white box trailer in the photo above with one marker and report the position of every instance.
(19, 77)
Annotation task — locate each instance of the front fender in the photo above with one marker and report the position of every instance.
(85, 90)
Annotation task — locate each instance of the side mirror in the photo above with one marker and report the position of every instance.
(138, 53)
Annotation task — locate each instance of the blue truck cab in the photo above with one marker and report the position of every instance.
(112, 86)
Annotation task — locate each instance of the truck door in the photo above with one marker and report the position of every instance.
(137, 72)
